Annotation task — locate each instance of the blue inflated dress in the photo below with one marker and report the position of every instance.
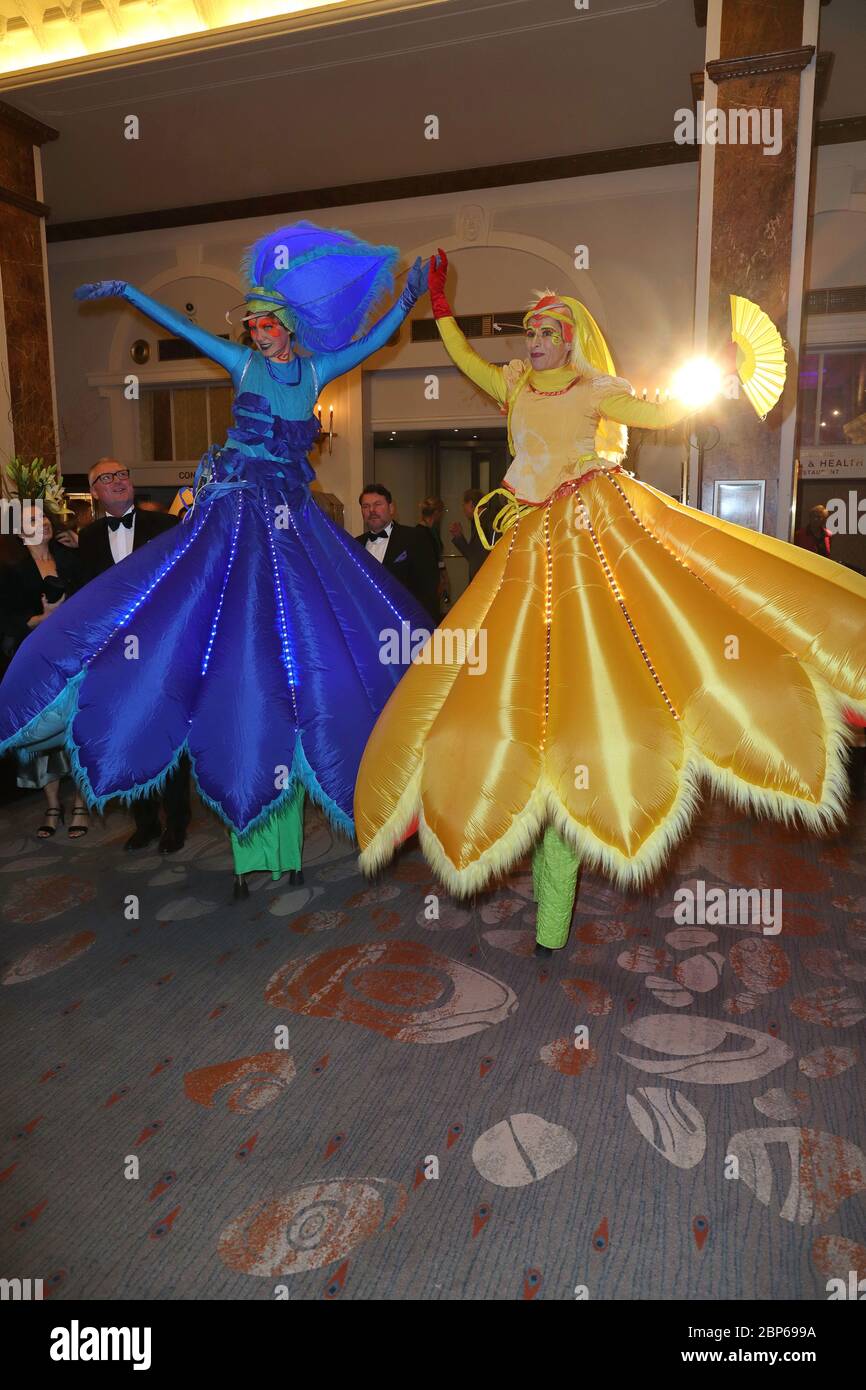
(248, 636)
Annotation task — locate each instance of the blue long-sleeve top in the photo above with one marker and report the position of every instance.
(308, 374)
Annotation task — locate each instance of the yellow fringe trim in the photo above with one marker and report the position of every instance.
(627, 871)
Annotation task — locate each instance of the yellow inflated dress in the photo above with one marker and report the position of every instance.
(634, 647)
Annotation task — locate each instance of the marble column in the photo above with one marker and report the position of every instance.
(28, 415)
(752, 228)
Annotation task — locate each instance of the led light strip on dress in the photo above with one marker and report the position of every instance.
(281, 608)
(348, 547)
(178, 555)
(298, 532)
(232, 553)
(548, 614)
(664, 547)
(514, 529)
(621, 601)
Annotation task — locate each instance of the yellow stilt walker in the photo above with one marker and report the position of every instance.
(635, 648)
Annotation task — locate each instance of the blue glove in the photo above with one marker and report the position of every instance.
(416, 284)
(102, 289)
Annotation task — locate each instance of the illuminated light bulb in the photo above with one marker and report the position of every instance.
(697, 382)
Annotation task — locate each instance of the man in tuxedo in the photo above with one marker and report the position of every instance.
(124, 528)
(403, 550)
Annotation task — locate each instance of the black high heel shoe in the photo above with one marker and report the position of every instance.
(240, 888)
(44, 832)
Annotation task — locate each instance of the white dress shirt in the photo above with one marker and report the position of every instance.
(378, 547)
(121, 540)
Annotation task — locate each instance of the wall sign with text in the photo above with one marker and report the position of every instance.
(839, 461)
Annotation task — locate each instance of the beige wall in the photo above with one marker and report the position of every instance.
(503, 244)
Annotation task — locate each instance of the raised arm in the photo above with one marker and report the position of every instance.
(226, 354)
(329, 365)
(624, 408)
(487, 376)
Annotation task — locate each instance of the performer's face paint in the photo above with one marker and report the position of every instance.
(118, 493)
(545, 343)
(376, 510)
(269, 336)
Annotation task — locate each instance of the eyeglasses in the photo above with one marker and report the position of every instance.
(121, 473)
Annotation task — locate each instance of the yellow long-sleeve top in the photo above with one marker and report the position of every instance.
(552, 415)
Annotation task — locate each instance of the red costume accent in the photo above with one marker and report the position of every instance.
(438, 275)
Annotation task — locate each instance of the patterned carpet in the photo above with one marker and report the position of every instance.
(334, 1092)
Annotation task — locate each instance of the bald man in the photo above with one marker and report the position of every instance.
(124, 528)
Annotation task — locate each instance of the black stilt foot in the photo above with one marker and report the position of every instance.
(240, 888)
(543, 950)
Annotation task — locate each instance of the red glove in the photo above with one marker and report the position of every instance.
(438, 276)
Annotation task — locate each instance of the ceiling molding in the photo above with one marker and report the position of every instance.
(842, 131)
(757, 64)
(39, 19)
(823, 69)
(383, 190)
(20, 200)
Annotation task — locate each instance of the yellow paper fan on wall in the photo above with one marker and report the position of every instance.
(760, 354)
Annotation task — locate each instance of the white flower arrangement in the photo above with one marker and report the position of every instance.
(35, 480)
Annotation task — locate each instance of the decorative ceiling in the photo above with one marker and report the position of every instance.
(34, 35)
(339, 96)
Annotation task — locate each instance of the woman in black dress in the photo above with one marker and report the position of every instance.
(32, 588)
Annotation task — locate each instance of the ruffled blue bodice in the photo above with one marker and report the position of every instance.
(261, 450)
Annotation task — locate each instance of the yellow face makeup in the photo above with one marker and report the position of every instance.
(545, 333)
(546, 342)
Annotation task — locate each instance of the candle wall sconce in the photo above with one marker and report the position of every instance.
(329, 431)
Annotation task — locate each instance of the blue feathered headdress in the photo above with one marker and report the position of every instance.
(322, 282)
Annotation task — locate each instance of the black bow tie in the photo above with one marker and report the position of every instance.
(125, 520)
(382, 536)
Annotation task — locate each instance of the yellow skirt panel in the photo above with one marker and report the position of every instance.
(634, 649)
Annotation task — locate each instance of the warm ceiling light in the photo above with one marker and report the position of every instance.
(39, 37)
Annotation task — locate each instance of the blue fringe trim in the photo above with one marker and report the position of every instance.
(301, 772)
(25, 734)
